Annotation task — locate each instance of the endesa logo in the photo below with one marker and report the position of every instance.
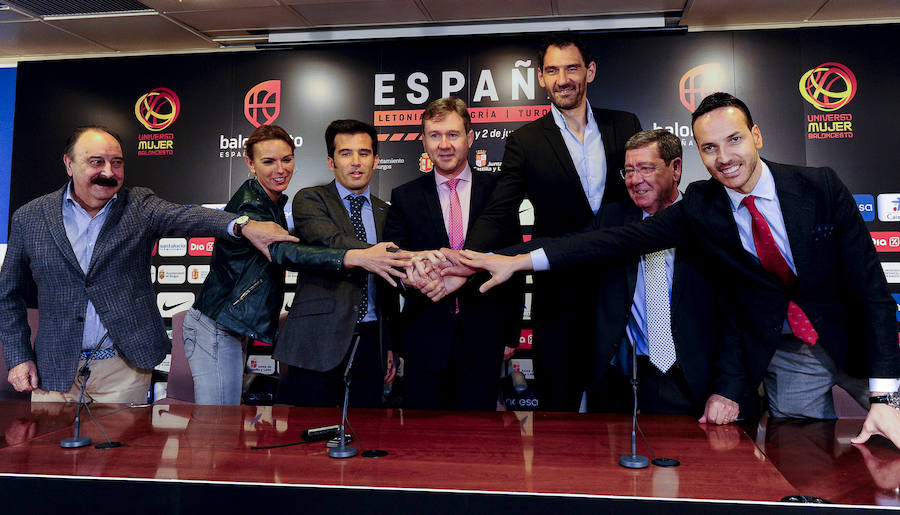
(201, 246)
(866, 205)
(828, 86)
(889, 207)
(886, 241)
(262, 104)
(698, 82)
(157, 109)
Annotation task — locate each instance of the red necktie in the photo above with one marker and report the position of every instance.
(773, 262)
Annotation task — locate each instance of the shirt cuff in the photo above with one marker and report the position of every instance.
(883, 384)
(539, 261)
(231, 228)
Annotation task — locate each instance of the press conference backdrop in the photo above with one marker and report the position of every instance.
(822, 96)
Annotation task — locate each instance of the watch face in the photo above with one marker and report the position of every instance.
(894, 399)
(241, 220)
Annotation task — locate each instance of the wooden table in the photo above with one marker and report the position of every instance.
(438, 461)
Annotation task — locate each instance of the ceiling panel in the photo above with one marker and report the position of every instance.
(721, 13)
(441, 10)
(7, 14)
(36, 38)
(570, 7)
(166, 6)
(135, 33)
(359, 12)
(248, 18)
(858, 10)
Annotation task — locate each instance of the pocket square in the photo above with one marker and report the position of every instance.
(822, 231)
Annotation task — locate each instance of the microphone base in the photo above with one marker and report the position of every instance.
(75, 442)
(634, 461)
(346, 451)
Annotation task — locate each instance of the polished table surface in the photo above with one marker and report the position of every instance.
(525, 452)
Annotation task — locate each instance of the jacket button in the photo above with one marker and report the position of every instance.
(79, 319)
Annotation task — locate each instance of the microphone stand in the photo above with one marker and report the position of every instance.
(85, 371)
(633, 460)
(343, 450)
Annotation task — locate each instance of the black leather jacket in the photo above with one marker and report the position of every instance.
(243, 290)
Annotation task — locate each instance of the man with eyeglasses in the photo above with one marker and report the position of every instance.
(673, 315)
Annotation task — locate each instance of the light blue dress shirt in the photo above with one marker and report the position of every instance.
(368, 219)
(82, 231)
(589, 157)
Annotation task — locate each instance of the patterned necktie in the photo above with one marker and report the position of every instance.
(356, 205)
(773, 262)
(659, 319)
(456, 225)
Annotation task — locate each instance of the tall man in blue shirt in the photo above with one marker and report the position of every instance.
(566, 163)
(809, 293)
(85, 251)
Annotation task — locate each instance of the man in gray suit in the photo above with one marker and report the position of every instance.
(330, 311)
(84, 250)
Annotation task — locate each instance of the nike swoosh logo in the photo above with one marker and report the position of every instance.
(287, 307)
(166, 307)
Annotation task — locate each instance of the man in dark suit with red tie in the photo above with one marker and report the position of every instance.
(453, 348)
(567, 164)
(809, 292)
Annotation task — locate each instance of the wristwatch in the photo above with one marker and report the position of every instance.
(891, 399)
(239, 224)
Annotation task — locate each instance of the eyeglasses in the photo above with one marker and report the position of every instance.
(645, 171)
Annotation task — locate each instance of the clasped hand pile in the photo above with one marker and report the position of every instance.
(436, 273)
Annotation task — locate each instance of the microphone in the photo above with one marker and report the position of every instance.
(520, 384)
(633, 460)
(320, 433)
(343, 450)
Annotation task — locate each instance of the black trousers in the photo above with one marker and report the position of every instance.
(302, 387)
(457, 386)
(659, 393)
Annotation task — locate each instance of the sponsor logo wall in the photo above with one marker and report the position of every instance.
(818, 99)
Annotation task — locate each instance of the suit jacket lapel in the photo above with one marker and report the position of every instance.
(567, 171)
(53, 216)
(104, 239)
(433, 210)
(338, 212)
(379, 211)
(798, 215)
(633, 216)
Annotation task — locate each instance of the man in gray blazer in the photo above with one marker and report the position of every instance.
(84, 251)
(330, 310)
